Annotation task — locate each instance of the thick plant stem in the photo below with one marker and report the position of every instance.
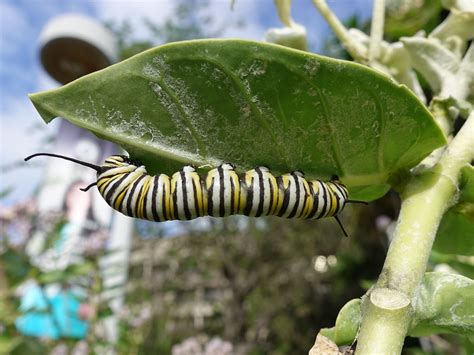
(424, 200)
(355, 49)
(394, 308)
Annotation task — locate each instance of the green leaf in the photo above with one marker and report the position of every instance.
(407, 18)
(466, 184)
(464, 265)
(444, 305)
(456, 230)
(6, 191)
(458, 24)
(8, 344)
(434, 61)
(52, 276)
(251, 103)
(347, 323)
(104, 312)
(84, 268)
(16, 266)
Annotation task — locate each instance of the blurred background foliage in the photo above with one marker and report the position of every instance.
(242, 286)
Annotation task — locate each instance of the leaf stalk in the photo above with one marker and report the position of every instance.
(376, 30)
(355, 49)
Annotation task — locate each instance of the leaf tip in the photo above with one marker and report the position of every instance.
(36, 100)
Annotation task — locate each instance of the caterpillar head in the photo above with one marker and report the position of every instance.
(115, 161)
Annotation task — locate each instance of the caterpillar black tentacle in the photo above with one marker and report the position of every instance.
(89, 165)
(88, 187)
(126, 187)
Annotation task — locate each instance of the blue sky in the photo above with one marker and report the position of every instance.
(22, 132)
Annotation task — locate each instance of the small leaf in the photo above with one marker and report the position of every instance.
(8, 344)
(52, 276)
(444, 305)
(455, 107)
(393, 60)
(6, 191)
(347, 324)
(252, 103)
(16, 266)
(456, 24)
(406, 18)
(466, 184)
(456, 230)
(459, 5)
(461, 264)
(84, 268)
(104, 312)
(434, 61)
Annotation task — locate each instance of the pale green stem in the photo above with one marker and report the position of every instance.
(376, 30)
(424, 200)
(284, 12)
(445, 123)
(394, 309)
(355, 49)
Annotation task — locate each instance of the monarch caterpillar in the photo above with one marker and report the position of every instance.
(126, 187)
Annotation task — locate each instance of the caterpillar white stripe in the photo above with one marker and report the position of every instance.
(126, 187)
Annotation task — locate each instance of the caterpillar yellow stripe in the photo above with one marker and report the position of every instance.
(126, 187)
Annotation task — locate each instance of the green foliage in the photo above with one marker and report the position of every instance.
(443, 305)
(405, 18)
(333, 48)
(250, 103)
(456, 231)
(258, 281)
(347, 323)
(16, 266)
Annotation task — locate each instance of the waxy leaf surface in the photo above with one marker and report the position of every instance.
(251, 103)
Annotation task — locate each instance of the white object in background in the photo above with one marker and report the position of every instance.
(74, 45)
(115, 269)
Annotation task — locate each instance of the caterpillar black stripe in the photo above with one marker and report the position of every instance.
(126, 187)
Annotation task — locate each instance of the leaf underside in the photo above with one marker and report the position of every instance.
(249, 103)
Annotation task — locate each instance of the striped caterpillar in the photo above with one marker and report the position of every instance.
(126, 187)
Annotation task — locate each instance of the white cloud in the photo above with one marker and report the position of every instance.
(13, 26)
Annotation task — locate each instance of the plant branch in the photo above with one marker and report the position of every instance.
(424, 200)
(355, 49)
(376, 30)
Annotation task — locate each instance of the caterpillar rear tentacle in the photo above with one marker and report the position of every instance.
(126, 187)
